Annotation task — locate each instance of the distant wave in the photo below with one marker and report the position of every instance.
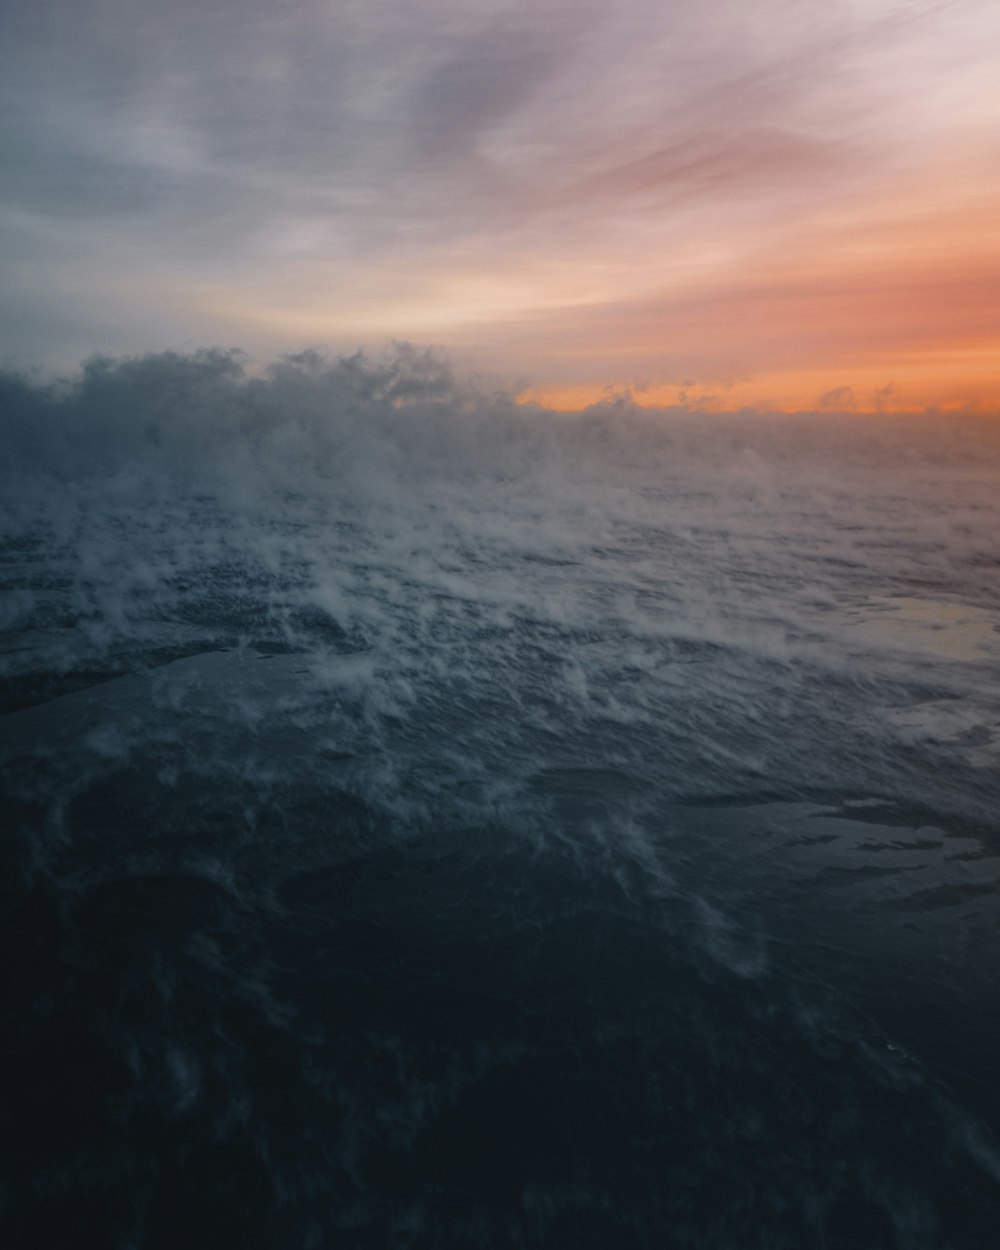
(156, 506)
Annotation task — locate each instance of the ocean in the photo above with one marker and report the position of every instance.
(433, 821)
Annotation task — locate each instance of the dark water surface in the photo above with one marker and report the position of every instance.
(425, 826)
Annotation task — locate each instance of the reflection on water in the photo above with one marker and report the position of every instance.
(946, 630)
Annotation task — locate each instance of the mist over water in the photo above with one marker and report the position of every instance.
(436, 821)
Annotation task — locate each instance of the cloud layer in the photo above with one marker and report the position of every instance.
(507, 182)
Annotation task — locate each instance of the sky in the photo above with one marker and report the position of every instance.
(786, 204)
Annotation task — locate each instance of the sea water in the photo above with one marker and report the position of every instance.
(431, 821)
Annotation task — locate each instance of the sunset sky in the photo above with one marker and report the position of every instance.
(790, 203)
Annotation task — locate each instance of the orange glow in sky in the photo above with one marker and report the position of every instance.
(786, 205)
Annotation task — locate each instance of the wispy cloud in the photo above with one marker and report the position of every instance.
(304, 168)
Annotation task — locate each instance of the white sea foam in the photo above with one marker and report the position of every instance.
(729, 601)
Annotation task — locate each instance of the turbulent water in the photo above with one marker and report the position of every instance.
(434, 822)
